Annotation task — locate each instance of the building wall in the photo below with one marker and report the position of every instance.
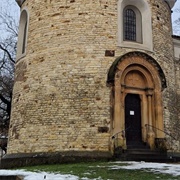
(176, 40)
(61, 101)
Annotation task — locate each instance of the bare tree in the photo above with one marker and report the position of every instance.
(8, 45)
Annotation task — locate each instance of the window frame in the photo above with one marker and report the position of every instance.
(23, 34)
(144, 27)
(138, 24)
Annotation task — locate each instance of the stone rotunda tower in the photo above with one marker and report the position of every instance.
(91, 77)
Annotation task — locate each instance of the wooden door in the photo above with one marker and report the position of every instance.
(133, 119)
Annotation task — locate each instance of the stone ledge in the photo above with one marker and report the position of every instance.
(31, 159)
(174, 156)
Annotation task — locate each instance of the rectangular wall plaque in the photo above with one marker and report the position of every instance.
(110, 53)
(132, 113)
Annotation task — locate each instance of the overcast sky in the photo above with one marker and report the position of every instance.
(175, 14)
(12, 7)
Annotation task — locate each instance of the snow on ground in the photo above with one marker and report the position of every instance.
(173, 169)
(38, 175)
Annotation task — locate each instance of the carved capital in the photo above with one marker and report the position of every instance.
(149, 91)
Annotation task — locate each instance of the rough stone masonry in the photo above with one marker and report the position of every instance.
(61, 100)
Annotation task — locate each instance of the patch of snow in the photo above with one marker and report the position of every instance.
(172, 169)
(38, 175)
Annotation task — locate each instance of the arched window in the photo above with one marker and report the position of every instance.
(22, 37)
(135, 24)
(132, 24)
(129, 25)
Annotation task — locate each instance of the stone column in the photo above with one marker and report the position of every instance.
(118, 121)
(151, 135)
(160, 136)
(159, 115)
(117, 109)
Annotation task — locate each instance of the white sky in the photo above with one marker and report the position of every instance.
(176, 15)
(9, 6)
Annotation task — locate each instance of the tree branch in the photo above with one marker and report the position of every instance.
(2, 109)
(4, 100)
(9, 55)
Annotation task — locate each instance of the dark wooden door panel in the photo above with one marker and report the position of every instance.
(133, 118)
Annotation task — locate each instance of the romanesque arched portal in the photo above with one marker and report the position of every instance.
(137, 83)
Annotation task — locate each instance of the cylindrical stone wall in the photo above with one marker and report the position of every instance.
(60, 98)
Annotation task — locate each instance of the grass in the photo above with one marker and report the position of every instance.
(102, 170)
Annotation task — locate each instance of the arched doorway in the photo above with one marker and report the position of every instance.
(137, 82)
(133, 119)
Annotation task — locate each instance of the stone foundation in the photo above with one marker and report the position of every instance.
(31, 159)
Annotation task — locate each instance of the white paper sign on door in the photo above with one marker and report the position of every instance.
(132, 113)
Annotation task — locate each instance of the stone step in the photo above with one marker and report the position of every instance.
(145, 152)
(162, 159)
(138, 146)
(143, 155)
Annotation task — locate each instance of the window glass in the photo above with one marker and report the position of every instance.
(22, 36)
(129, 25)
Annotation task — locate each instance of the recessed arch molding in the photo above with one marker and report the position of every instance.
(146, 57)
